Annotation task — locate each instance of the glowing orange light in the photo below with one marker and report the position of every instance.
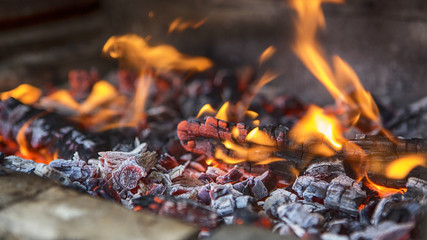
(399, 168)
(259, 137)
(222, 113)
(25, 93)
(316, 125)
(180, 25)
(383, 191)
(267, 54)
(206, 109)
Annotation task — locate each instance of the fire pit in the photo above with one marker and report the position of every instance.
(169, 134)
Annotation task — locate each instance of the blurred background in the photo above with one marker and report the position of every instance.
(385, 41)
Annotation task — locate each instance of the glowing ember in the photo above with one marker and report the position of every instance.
(399, 168)
(180, 25)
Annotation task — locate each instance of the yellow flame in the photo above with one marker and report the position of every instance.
(316, 125)
(267, 54)
(135, 50)
(400, 168)
(259, 137)
(341, 81)
(383, 191)
(102, 92)
(180, 25)
(206, 109)
(25, 93)
(222, 113)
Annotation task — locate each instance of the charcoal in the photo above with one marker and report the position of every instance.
(258, 190)
(296, 213)
(365, 215)
(416, 189)
(251, 218)
(219, 191)
(282, 229)
(19, 164)
(277, 198)
(156, 189)
(301, 183)
(316, 190)
(396, 209)
(2, 156)
(44, 170)
(75, 170)
(199, 167)
(106, 192)
(313, 207)
(380, 207)
(325, 170)
(185, 210)
(386, 230)
(214, 172)
(233, 175)
(344, 194)
(205, 178)
(244, 202)
(203, 195)
(269, 179)
(168, 161)
(224, 205)
(344, 226)
(176, 172)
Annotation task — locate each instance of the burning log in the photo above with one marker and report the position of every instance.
(48, 134)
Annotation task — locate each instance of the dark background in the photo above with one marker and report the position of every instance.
(384, 40)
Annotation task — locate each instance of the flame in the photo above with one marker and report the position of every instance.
(383, 191)
(259, 137)
(267, 54)
(206, 109)
(341, 81)
(179, 25)
(400, 168)
(25, 93)
(316, 125)
(163, 58)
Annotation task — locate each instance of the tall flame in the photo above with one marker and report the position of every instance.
(341, 81)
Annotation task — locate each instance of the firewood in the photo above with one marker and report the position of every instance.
(51, 133)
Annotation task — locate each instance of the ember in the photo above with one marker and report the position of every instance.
(197, 147)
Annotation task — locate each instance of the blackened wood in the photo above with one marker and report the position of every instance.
(48, 131)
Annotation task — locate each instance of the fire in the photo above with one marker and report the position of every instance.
(399, 168)
(25, 93)
(383, 191)
(341, 81)
(180, 25)
(267, 54)
(316, 125)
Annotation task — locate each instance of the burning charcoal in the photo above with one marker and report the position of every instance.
(344, 194)
(343, 226)
(205, 178)
(365, 215)
(214, 172)
(385, 231)
(199, 167)
(277, 198)
(313, 207)
(18, 164)
(224, 205)
(156, 189)
(296, 213)
(203, 195)
(269, 179)
(219, 191)
(298, 219)
(258, 190)
(106, 192)
(233, 175)
(244, 202)
(128, 175)
(416, 189)
(184, 210)
(316, 190)
(168, 161)
(176, 172)
(75, 170)
(301, 183)
(325, 170)
(246, 216)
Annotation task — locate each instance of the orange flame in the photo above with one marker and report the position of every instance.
(179, 25)
(315, 125)
(25, 93)
(400, 168)
(341, 81)
(383, 191)
(267, 54)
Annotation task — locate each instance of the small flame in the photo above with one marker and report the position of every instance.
(259, 137)
(316, 125)
(207, 109)
(400, 168)
(180, 25)
(383, 191)
(267, 54)
(25, 93)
